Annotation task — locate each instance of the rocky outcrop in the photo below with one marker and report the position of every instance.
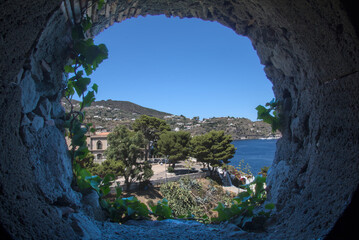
(310, 52)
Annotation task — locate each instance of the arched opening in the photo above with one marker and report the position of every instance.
(310, 54)
(190, 68)
(99, 145)
(99, 157)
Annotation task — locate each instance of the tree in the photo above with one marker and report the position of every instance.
(174, 145)
(200, 148)
(151, 128)
(126, 146)
(213, 148)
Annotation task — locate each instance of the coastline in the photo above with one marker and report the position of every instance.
(276, 137)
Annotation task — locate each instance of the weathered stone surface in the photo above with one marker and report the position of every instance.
(37, 122)
(92, 206)
(52, 166)
(29, 96)
(57, 110)
(310, 52)
(85, 227)
(44, 108)
(173, 229)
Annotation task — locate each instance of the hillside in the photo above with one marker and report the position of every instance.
(126, 109)
(105, 115)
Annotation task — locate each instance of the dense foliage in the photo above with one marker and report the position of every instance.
(191, 198)
(123, 209)
(174, 145)
(126, 147)
(213, 148)
(85, 58)
(245, 209)
(151, 128)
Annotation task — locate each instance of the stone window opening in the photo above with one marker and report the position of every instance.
(99, 145)
(308, 48)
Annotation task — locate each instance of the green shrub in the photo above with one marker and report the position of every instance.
(194, 199)
(180, 199)
(243, 210)
(161, 210)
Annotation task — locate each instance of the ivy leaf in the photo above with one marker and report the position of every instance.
(69, 69)
(265, 114)
(77, 33)
(94, 182)
(81, 85)
(105, 190)
(91, 54)
(70, 89)
(88, 99)
(95, 87)
(130, 211)
(162, 210)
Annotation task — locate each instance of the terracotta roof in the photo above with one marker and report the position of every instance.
(101, 134)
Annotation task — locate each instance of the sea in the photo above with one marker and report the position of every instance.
(255, 153)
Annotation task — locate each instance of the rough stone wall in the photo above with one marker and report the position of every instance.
(310, 53)
(37, 201)
(23, 210)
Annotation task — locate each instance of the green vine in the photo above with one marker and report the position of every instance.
(85, 58)
(244, 206)
(269, 114)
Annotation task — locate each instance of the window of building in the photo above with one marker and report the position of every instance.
(99, 145)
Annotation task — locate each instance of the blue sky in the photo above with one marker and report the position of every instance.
(182, 66)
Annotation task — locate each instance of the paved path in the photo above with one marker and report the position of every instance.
(159, 171)
(161, 175)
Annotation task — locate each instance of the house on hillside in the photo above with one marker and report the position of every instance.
(97, 144)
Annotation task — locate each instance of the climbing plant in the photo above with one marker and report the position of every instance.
(245, 207)
(85, 58)
(270, 114)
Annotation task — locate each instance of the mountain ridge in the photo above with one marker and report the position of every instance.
(106, 114)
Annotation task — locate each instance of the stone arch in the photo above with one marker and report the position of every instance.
(310, 53)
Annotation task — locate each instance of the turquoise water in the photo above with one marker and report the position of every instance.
(257, 153)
